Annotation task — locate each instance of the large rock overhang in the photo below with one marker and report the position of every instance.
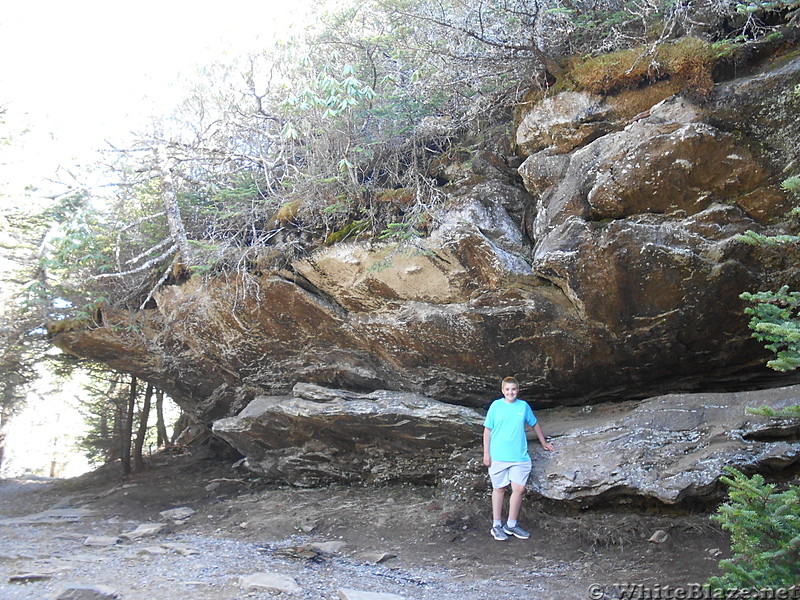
(617, 274)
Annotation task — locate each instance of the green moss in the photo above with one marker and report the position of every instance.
(608, 73)
(400, 196)
(689, 61)
(287, 212)
(55, 328)
(351, 230)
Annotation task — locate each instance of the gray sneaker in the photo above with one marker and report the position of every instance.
(516, 531)
(498, 533)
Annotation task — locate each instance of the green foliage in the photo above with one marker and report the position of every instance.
(788, 8)
(89, 312)
(362, 102)
(775, 320)
(325, 109)
(757, 239)
(604, 18)
(765, 534)
(791, 184)
(789, 412)
(84, 242)
(103, 408)
(22, 344)
(400, 231)
(350, 231)
(328, 96)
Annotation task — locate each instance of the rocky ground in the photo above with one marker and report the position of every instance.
(332, 543)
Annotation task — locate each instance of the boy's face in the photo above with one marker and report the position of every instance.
(510, 392)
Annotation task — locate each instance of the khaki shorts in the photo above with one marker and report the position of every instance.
(503, 473)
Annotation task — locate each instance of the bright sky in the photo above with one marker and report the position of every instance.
(76, 73)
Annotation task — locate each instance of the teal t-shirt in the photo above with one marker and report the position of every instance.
(507, 441)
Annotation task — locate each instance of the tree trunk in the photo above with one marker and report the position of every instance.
(182, 423)
(3, 423)
(144, 416)
(161, 427)
(54, 464)
(110, 410)
(2, 447)
(116, 445)
(7, 405)
(127, 429)
(169, 196)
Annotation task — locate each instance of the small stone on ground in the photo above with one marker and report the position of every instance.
(87, 592)
(271, 582)
(144, 530)
(345, 594)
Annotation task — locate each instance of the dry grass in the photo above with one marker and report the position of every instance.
(688, 61)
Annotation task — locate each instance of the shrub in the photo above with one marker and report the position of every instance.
(775, 320)
(765, 534)
(775, 316)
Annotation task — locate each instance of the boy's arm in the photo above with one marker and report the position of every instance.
(545, 444)
(487, 460)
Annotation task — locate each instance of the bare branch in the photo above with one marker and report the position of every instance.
(163, 278)
(160, 246)
(139, 269)
(142, 220)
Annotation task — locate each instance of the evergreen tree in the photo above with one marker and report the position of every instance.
(765, 524)
(776, 315)
(765, 534)
(776, 320)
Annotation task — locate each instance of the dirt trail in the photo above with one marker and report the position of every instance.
(401, 540)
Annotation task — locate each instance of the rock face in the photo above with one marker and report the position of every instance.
(671, 448)
(613, 273)
(319, 436)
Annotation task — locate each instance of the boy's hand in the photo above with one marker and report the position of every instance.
(487, 460)
(548, 446)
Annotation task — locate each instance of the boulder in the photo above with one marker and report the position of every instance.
(669, 449)
(639, 229)
(762, 107)
(563, 122)
(361, 438)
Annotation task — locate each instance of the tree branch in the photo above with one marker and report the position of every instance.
(160, 246)
(143, 267)
(167, 271)
(171, 207)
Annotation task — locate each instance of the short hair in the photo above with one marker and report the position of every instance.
(511, 380)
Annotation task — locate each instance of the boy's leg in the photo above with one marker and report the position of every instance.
(515, 502)
(498, 495)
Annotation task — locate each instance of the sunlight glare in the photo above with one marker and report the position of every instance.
(79, 73)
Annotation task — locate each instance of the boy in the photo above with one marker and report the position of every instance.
(505, 452)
